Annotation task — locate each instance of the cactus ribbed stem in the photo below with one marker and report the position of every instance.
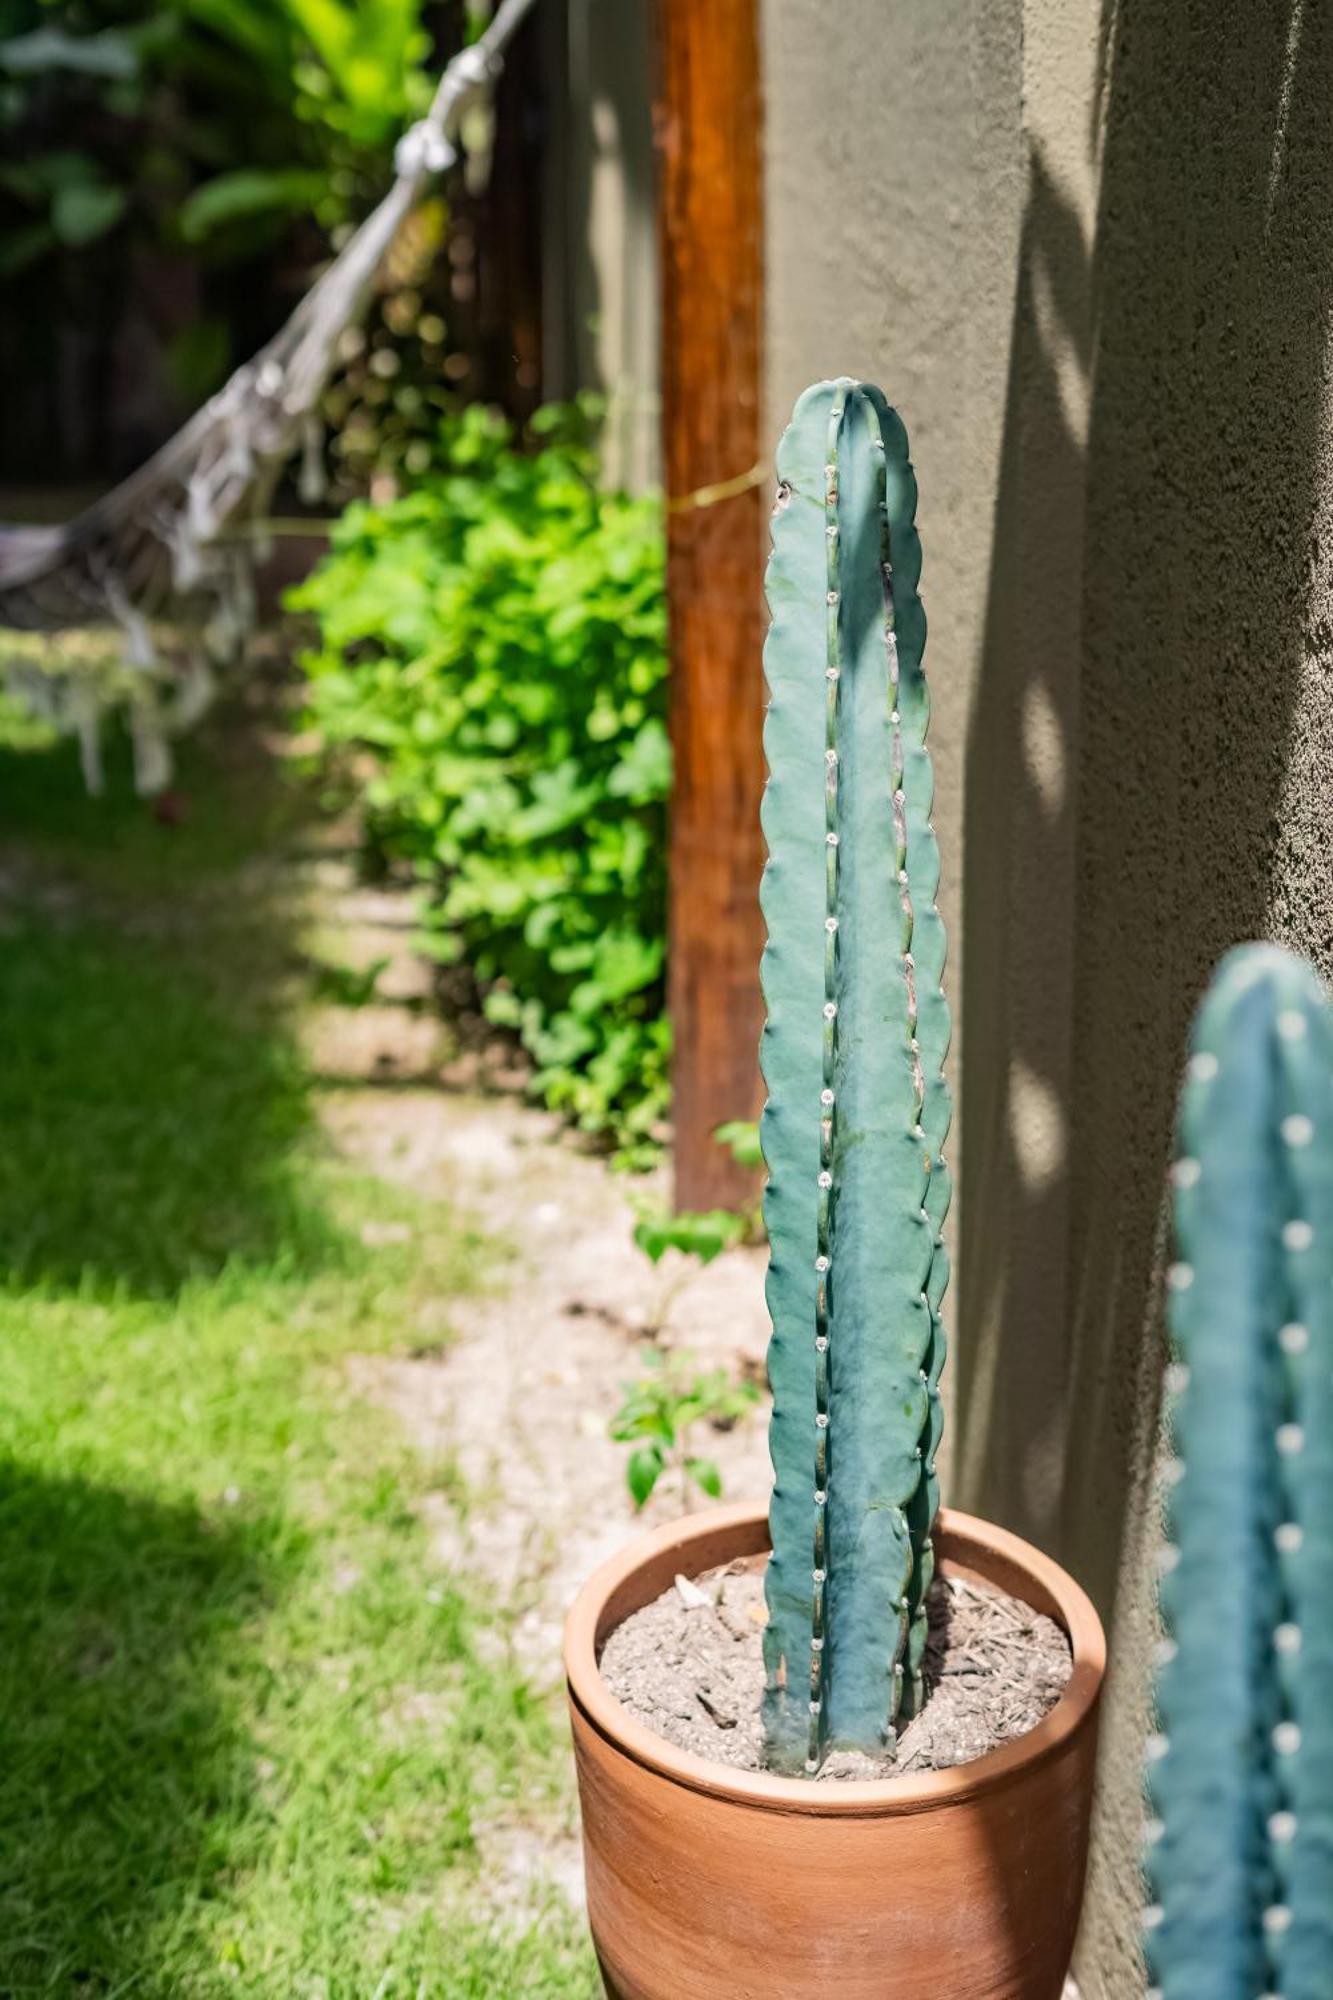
(1240, 1768)
(857, 1109)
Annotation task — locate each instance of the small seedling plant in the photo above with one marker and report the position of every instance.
(660, 1416)
(697, 1237)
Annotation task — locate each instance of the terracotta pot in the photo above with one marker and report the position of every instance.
(704, 1881)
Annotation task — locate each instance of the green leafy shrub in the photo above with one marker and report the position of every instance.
(491, 659)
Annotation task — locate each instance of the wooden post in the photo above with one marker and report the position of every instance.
(709, 137)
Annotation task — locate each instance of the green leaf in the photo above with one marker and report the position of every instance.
(81, 214)
(706, 1476)
(740, 1136)
(246, 192)
(704, 1236)
(644, 772)
(643, 1472)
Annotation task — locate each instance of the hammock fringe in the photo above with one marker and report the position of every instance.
(180, 536)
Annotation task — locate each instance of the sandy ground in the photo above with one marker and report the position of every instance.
(516, 1385)
(522, 1393)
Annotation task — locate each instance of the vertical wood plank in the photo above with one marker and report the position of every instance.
(710, 137)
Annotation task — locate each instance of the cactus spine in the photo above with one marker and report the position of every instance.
(1240, 1772)
(857, 1112)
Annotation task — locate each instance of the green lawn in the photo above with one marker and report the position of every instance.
(246, 1728)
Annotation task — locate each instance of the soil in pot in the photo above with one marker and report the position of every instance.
(690, 1667)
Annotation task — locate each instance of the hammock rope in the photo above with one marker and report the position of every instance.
(179, 538)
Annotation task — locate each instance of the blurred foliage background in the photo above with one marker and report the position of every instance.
(171, 178)
(485, 643)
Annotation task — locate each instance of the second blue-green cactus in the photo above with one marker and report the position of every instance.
(857, 1113)
(1240, 1768)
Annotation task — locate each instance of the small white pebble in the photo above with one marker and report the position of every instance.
(1294, 1338)
(1277, 1918)
(1290, 1439)
(1297, 1235)
(1287, 1739)
(1287, 1639)
(1282, 1828)
(1288, 1538)
(690, 1595)
(1298, 1130)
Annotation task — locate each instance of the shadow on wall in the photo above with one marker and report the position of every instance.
(1149, 768)
(1150, 754)
(1018, 897)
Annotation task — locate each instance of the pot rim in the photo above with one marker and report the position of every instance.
(963, 1541)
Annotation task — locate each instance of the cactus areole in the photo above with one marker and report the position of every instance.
(857, 1112)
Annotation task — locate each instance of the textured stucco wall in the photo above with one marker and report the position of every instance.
(894, 200)
(1087, 247)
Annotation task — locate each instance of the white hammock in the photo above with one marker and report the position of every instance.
(167, 542)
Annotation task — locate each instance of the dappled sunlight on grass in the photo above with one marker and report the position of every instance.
(248, 1731)
(151, 1096)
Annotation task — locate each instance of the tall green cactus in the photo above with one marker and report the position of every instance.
(857, 1109)
(1240, 1773)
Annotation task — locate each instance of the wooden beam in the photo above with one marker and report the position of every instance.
(709, 137)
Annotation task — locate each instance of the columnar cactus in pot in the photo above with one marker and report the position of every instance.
(858, 1109)
(1240, 1767)
(787, 1880)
